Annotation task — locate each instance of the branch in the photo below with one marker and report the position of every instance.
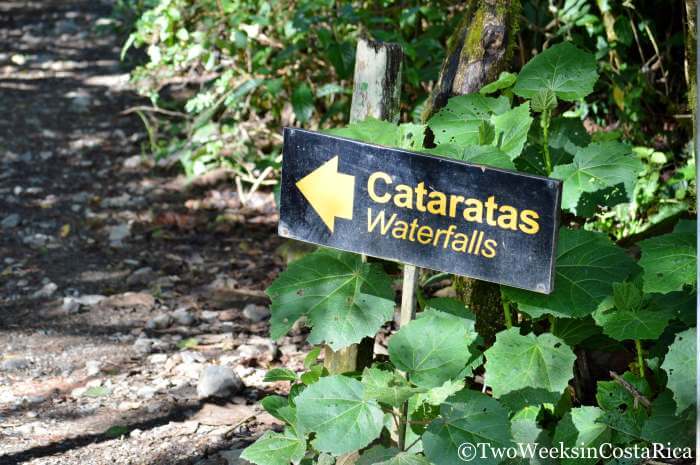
(638, 397)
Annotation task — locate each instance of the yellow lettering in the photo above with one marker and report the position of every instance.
(437, 205)
(474, 210)
(379, 219)
(529, 217)
(508, 218)
(384, 198)
(404, 196)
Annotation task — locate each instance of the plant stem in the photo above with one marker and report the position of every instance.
(506, 314)
(640, 356)
(546, 117)
(552, 323)
(403, 421)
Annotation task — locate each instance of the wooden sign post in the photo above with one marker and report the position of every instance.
(486, 223)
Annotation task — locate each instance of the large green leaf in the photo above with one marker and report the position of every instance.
(517, 362)
(630, 318)
(664, 426)
(587, 265)
(680, 367)
(580, 428)
(466, 417)
(669, 262)
(344, 298)
(511, 129)
(276, 448)
(335, 408)
(387, 387)
(460, 121)
(564, 69)
(433, 348)
(599, 166)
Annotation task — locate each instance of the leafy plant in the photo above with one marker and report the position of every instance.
(441, 386)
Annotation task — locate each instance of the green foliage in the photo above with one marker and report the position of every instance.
(596, 167)
(669, 261)
(563, 69)
(518, 362)
(466, 417)
(236, 71)
(433, 348)
(336, 410)
(587, 266)
(277, 448)
(433, 388)
(630, 318)
(343, 298)
(680, 367)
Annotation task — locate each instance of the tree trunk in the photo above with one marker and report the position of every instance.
(478, 52)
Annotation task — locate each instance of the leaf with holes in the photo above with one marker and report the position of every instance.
(680, 367)
(580, 427)
(467, 417)
(344, 298)
(460, 121)
(517, 362)
(630, 318)
(669, 262)
(336, 409)
(599, 166)
(587, 265)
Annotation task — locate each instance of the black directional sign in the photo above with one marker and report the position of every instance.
(437, 213)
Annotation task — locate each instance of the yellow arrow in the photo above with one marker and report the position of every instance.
(330, 193)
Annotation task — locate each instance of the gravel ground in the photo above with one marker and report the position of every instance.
(133, 323)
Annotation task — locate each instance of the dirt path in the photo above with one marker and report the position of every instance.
(119, 284)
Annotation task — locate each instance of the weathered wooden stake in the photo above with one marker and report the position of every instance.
(376, 93)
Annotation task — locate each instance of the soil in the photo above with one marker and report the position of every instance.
(100, 250)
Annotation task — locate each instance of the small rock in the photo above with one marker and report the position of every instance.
(93, 367)
(189, 370)
(146, 392)
(189, 356)
(132, 162)
(128, 405)
(209, 316)
(118, 233)
(10, 221)
(15, 363)
(142, 277)
(159, 322)
(183, 318)
(70, 305)
(143, 346)
(218, 381)
(157, 358)
(46, 291)
(227, 315)
(256, 313)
